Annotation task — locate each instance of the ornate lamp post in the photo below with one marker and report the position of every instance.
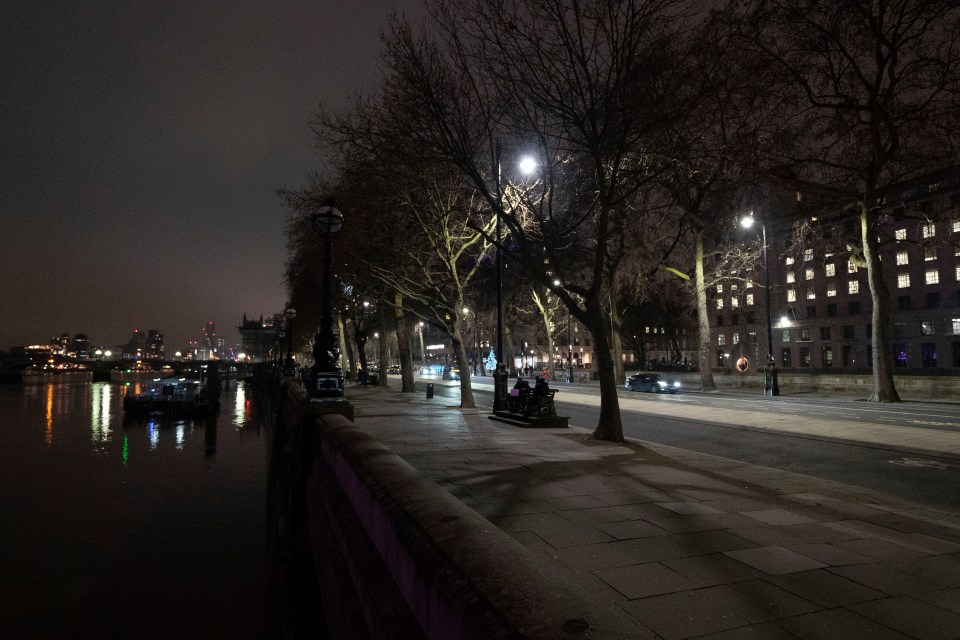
(746, 222)
(326, 378)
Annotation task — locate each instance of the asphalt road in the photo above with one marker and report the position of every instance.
(927, 480)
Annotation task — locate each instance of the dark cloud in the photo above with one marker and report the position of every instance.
(142, 147)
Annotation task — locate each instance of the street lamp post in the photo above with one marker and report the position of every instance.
(289, 367)
(326, 376)
(747, 222)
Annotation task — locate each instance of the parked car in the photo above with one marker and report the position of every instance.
(651, 382)
(393, 369)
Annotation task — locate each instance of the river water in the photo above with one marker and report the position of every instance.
(145, 528)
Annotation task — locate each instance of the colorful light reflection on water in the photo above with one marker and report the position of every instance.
(149, 527)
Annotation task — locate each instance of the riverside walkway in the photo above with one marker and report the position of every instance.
(685, 544)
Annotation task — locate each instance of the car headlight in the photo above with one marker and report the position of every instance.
(676, 384)
(661, 383)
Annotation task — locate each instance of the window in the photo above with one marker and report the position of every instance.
(830, 269)
(929, 253)
(955, 324)
(719, 321)
(807, 255)
(824, 333)
(902, 258)
(719, 288)
(734, 303)
(719, 303)
(900, 234)
(928, 354)
(853, 286)
(854, 308)
(826, 355)
(785, 357)
(791, 277)
(721, 361)
(928, 230)
(932, 276)
(849, 332)
(721, 339)
(926, 328)
(903, 303)
(832, 291)
(846, 354)
(903, 280)
(788, 261)
(733, 287)
(956, 354)
(851, 267)
(804, 356)
(933, 300)
(735, 318)
(832, 310)
(749, 284)
(958, 273)
(749, 299)
(900, 354)
(811, 294)
(791, 295)
(785, 334)
(956, 226)
(736, 338)
(804, 335)
(811, 312)
(810, 274)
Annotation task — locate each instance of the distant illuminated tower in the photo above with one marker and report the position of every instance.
(210, 338)
(136, 346)
(154, 344)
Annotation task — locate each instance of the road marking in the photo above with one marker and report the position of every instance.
(919, 463)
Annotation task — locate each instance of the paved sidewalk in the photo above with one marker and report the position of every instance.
(691, 545)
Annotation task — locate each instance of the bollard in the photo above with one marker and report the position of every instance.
(429, 389)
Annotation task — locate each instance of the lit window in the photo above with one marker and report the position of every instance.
(903, 280)
(788, 261)
(958, 274)
(791, 295)
(734, 303)
(932, 276)
(853, 286)
(807, 255)
(903, 258)
(811, 294)
(719, 288)
(955, 323)
(719, 303)
(926, 328)
(721, 340)
(928, 230)
(831, 269)
(810, 275)
(851, 267)
(901, 234)
(785, 335)
(956, 226)
(736, 338)
(929, 253)
(750, 295)
(832, 291)
(749, 284)
(791, 277)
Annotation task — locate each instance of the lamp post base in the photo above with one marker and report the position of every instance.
(500, 388)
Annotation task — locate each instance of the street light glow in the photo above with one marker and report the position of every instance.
(747, 221)
(527, 165)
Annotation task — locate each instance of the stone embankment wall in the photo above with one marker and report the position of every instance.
(396, 556)
(946, 387)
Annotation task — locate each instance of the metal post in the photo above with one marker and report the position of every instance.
(775, 388)
(569, 348)
(500, 375)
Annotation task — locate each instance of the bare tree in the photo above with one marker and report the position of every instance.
(876, 90)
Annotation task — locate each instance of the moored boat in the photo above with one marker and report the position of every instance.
(170, 395)
(139, 372)
(54, 373)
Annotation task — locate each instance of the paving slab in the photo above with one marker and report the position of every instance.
(691, 545)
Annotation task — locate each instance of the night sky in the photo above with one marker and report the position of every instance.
(143, 144)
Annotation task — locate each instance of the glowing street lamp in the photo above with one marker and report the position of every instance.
(747, 222)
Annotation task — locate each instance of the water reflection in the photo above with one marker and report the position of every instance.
(48, 434)
(100, 415)
(210, 438)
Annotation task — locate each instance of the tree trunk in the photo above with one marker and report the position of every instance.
(404, 339)
(884, 389)
(383, 345)
(346, 353)
(463, 363)
(616, 352)
(703, 320)
(610, 425)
